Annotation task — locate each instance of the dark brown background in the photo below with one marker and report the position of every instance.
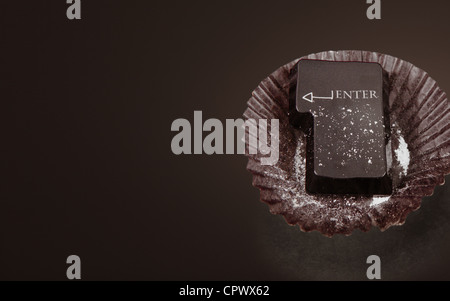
(86, 162)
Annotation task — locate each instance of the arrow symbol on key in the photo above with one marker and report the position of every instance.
(310, 97)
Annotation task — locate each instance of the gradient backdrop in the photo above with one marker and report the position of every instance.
(86, 163)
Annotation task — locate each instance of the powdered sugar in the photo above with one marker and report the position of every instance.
(402, 154)
(379, 200)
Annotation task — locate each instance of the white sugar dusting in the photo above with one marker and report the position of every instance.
(402, 154)
(379, 200)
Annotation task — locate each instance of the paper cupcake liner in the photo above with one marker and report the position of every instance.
(419, 114)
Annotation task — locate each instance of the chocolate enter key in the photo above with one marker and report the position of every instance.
(341, 108)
